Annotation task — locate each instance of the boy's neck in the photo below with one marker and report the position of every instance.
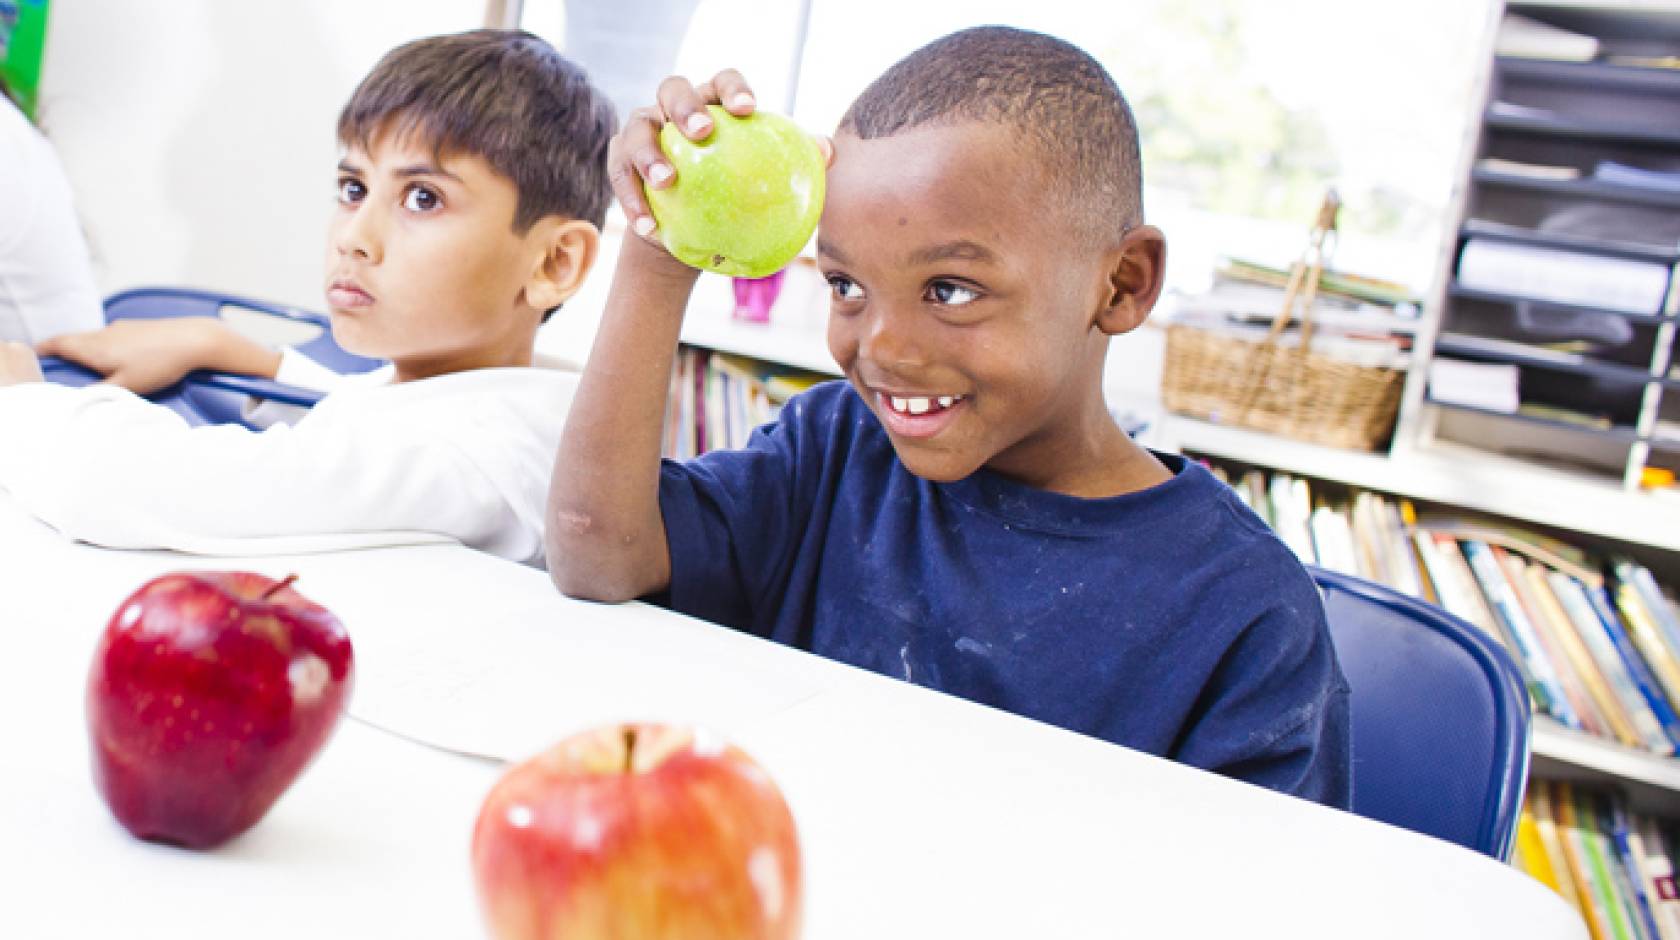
(414, 368)
(1095, 461)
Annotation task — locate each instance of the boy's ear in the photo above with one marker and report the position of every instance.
(569, 249)
(1136, 272)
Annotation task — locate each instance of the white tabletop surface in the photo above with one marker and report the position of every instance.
(920, 815)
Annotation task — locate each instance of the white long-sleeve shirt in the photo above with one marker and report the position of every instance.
(465, 456)
(46, 277)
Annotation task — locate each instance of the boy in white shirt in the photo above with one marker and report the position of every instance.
(471, 192)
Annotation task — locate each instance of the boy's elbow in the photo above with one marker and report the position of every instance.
(586, 587)
(584, 565)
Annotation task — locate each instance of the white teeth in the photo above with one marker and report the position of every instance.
(921, 406)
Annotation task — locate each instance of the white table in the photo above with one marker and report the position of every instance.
(921, 815)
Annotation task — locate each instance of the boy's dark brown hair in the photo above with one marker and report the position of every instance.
(506, 97)
(1054, 95)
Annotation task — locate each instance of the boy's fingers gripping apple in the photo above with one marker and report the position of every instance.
(729, 89)
(631, 158)
(685, 106)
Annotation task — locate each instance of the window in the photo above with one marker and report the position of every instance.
(1247, 111)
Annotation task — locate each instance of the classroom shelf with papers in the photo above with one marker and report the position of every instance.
(1554, 322)
(1550, 421)
(1661, 254)
(1577, 187)
(1460, 291)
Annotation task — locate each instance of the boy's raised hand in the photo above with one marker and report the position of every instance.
(635, 154)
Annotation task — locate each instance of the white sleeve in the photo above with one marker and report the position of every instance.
(104, 466)
(298, 369)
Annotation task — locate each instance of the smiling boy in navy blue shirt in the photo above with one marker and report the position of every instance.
(963, 512)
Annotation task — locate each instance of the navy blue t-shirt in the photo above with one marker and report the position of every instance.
(1170, 620)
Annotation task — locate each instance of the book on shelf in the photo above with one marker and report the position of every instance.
(716, 400)
(1529, 853)
(1591, 890)
(1648, 728)
(1536, 171)
(1563, 276)
(1539, 804)
(1528, 38)
(1331, 283)
(1488, 386)
(1502, 600)
(1656, 858)
(1624, 838)
(1622, 174)
(1607, 710)
(1613, 865)
(1595, 640)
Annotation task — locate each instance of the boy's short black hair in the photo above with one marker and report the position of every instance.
(1046, 89)
(506, 97)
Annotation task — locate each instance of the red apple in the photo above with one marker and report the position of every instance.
(639, 832)
(210, 692)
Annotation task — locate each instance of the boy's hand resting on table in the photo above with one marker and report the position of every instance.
(146, 355)
(18, 365)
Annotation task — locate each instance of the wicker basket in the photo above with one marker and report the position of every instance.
(1280, 389)
(1286, 390)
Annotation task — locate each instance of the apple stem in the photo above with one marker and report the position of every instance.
(629, 748)
(278, 587)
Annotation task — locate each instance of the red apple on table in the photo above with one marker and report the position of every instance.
(638, 832)
(209, 693)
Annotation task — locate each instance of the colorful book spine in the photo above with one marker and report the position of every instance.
(1613, 817)
(1648, 640)
(1649, 686)
(1545, 821)
(1593, 907)
(1651, 596)
(1549, 610)
(1659, 869)
(1572, 596)
(1503, 601)
(1530, 852)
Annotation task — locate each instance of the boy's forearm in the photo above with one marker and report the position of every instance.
(223, 350)
(605, 534)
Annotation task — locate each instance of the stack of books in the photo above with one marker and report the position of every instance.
(717, 400)
(1615, 866)
(1355, 319)
(1597, 640)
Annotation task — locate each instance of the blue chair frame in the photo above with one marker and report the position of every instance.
(216, 397)
(1440, 716)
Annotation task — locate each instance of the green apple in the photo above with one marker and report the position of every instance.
(746, 199)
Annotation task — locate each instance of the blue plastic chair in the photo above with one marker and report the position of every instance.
(216, 397)
(1439, 712)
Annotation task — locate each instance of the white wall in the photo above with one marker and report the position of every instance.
(199, 135)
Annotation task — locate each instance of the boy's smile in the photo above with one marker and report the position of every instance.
(971, 314)
(423, 265)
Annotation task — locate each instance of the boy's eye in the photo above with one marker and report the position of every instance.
(844, 288)
(350, 190)
(951, 293)
(420, 199)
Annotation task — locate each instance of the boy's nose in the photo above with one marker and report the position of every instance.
(358, 235)
(890, 339)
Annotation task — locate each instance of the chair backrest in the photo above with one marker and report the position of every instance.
(215, 398)
(1440, 716)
